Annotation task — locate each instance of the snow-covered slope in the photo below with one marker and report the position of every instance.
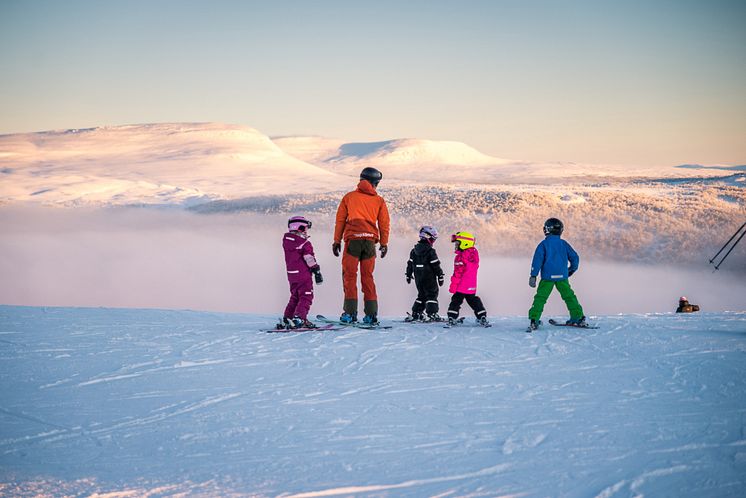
(150, 164)
(102, 402)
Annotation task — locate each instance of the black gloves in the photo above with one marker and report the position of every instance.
(316, 270)
(409, 279)
(336, 248)
(441, 279)
(384, 250)
(532, 281)
(569, 274)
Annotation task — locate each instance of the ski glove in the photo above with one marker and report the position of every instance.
(384, 250)
(532, 281)
(336, 248)
(409, 279)
(569, 274)
(441, 280)
(317, 276)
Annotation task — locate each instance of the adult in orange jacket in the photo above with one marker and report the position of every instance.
(362, 221)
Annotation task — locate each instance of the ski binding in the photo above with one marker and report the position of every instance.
(322, 328)
(359, 325)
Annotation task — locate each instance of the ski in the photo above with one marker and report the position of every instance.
(322, 328)
(410, 320)
(459, 321)
(353, 324)
(554, 322)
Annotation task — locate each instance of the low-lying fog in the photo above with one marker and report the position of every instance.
(175, 259)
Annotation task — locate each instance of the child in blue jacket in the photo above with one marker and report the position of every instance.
(551, 258)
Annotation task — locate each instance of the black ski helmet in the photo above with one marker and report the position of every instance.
(553, 226)
(372, 175)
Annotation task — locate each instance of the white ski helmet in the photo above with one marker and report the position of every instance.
(429, 233)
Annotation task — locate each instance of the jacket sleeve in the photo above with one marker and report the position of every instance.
(435, 262)
(458, 273)
(410, 264)
(538, 261)
(306, 250)
(573, 257)
(341, 220)
(384, 223)
(474, 259)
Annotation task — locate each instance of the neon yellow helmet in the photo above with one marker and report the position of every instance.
(465, 240)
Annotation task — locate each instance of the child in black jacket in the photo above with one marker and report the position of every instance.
(424, 267)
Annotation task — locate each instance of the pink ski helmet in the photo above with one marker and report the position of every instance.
(299, 224)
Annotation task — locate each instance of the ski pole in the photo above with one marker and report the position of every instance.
(731, 248)
(726, 244)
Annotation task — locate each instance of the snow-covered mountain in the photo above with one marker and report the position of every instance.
(150, 164)
(449, 162)
(404, 159)
(192, 163)
(128, 402)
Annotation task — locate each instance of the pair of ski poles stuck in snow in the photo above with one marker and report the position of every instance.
(739, 233)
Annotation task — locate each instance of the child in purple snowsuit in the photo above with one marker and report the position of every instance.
(301, 263)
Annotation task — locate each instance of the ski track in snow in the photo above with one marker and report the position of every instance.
(153, 402)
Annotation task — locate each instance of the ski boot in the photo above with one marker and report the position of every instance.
(347, 318)
(482, 320)
(534, 325)
(434, 317)
(302, 323)
(414, 317)
(577, 322)
(284, 324)
(452, 321)
(371, 320)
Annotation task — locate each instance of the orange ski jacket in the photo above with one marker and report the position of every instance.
(362, 214)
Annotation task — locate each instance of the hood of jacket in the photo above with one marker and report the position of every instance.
(366, 188)
(422, 247)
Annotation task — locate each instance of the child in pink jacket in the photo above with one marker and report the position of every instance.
(464, 279)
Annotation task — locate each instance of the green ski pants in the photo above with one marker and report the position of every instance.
(542, 294)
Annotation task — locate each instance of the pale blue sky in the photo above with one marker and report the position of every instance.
(629, 82)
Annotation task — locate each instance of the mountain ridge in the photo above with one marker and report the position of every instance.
(190, 163)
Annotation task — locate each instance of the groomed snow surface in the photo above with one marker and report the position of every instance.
(126, 402)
